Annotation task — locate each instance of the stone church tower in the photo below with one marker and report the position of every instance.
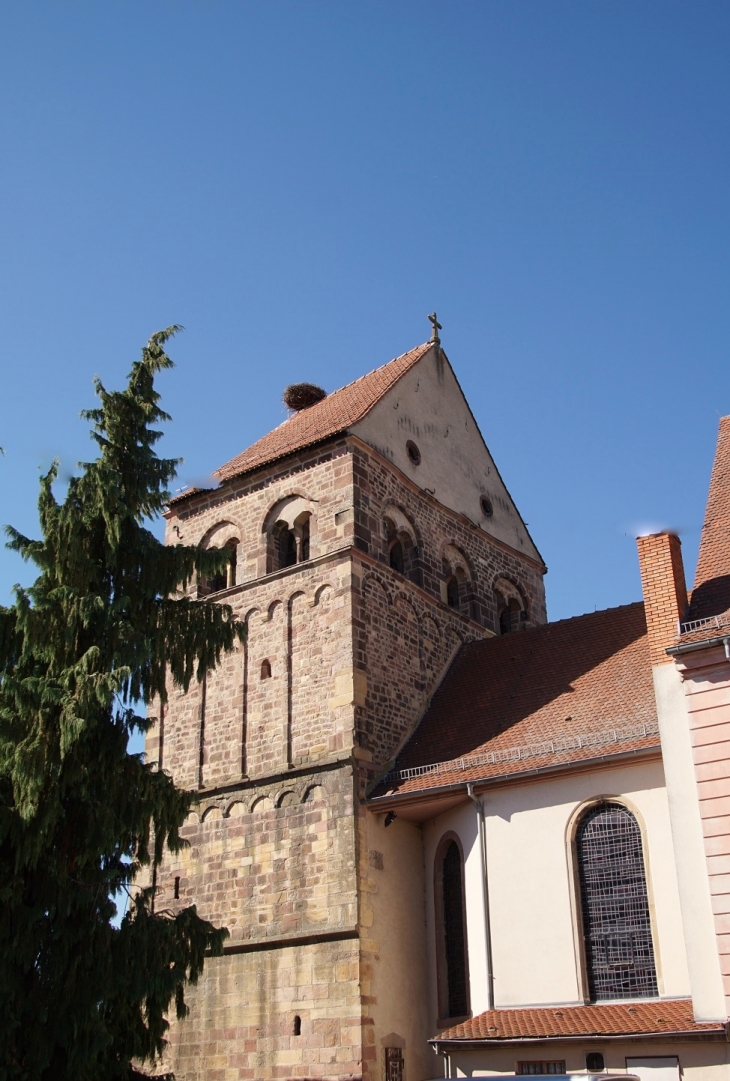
(370, 536)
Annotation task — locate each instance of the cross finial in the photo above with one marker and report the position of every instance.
(436, 327)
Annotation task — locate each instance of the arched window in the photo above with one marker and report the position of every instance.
(290, 543)
(453, 983)
(396, 556)
(266, 669)
(401, 547)
(225, 578)
(456, 581)
(452, 591)
(509, 608)
(303, 538)
(232, 547)
(615, 907)
(285, 546)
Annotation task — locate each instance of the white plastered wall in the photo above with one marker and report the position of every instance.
(428, 407)
(535, 940)
(698, 1060)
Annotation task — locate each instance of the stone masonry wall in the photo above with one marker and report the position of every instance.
(270, 860)
(404, 641)
(243, 723)
(242, 1017)
(378, 485)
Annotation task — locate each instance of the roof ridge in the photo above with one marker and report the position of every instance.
(345, 406)
(366, 375)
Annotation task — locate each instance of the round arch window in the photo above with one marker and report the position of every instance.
(413, 452)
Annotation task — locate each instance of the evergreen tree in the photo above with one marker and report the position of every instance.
(106, 624)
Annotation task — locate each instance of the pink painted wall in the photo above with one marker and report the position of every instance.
(706, 675)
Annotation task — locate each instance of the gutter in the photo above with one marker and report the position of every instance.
(474, 1044)
(482, 827)
(692, 647)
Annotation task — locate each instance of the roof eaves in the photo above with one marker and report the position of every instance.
(281, 455)
(380, 803)
(455, 1042)
(691, 647)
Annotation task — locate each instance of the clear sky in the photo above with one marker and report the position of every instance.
(300, 183)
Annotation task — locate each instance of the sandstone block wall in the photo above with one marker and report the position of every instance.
(270, 860)
(242, 1017)
(244, 723)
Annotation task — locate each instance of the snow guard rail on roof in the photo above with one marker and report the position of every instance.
(530, 750)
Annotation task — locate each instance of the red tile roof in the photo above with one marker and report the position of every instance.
(711, 592)
(548, 696)
(334, 414)
(556, 1022)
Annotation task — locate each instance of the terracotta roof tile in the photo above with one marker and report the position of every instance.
(711, 592)
(547, 696)
(334, 414)
(554, 1022)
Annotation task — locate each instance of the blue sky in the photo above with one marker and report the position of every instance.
(300, 183)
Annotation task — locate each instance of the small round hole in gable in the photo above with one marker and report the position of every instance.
(486, 505)
(413, 452)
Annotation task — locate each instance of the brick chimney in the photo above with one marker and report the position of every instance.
(665, 592)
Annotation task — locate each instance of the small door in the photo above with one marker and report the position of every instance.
(665, 1068)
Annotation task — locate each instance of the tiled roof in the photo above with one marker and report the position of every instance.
(554, 1022)
(334, 414)
(553, 686)
(711, 592)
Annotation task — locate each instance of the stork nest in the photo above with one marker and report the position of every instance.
(302, 395)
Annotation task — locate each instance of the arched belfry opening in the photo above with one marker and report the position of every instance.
(456, 587)
(511, 607)
(226, 538)
(401, 544)
(289, 528)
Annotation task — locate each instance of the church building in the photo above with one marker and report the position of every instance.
(448, 838)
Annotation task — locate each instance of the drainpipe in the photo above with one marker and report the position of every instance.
(485, 892)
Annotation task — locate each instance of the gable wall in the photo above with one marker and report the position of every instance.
(427, 406)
